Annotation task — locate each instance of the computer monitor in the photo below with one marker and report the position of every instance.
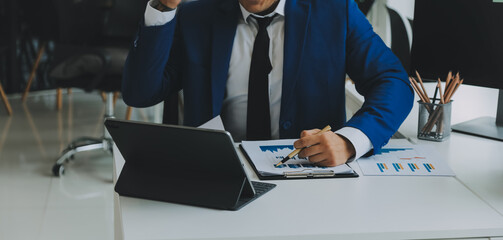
(463, 36)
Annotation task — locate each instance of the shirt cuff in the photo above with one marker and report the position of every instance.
(360, 141)
(154, 17)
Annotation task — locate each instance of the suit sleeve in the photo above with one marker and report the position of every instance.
(379, 77)
(151, 71)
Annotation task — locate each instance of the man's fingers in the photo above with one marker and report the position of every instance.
(325, 149)
(318, 158)
(309, 132)
(307, 141)
(310, 151)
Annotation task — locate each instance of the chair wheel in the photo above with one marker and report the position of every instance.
(58, 170)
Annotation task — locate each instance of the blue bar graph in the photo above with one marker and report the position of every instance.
(411, 167)
(280, 166)
(388, 150)
(396, 167)
(427, 167)
(276, 148)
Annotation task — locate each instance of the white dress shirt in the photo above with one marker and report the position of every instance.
(234, 107)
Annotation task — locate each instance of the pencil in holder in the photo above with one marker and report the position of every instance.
(434, 121)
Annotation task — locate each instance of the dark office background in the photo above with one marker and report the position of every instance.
(25, 25)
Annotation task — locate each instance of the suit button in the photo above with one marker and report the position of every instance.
(287, 125)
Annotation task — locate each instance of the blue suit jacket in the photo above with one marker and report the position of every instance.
(324, 40)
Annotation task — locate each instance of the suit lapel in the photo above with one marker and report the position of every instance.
(223, 31)
(297, 15)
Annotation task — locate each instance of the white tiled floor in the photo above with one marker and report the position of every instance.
(33, 203)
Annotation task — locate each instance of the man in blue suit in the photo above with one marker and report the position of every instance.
(230, 55)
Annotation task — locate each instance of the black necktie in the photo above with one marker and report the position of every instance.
(258, 121)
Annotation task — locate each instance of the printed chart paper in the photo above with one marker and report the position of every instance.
(415, 160)
(266, 154)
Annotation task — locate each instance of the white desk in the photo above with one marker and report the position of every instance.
(478, 162)
(368, 208)
(378, 207)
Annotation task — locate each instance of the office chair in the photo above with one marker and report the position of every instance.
(90, 57)
(88, 69)
(401, 39)
(392, 26)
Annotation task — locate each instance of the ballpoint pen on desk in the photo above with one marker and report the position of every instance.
(296, 151)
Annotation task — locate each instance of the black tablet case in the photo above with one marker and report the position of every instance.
(180, 164)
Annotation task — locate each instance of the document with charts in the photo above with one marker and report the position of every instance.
(406, 159)
(264, 155)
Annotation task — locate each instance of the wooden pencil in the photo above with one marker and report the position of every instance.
(423, 96)
(449, 89)
(439, 85)
(448, 92)
(455, 89)
(422, 86)
(415, 89)
(448, 79)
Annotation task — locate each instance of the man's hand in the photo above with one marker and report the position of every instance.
(326, 149)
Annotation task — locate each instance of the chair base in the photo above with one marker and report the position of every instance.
(82, 144)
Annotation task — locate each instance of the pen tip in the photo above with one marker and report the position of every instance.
(282, 161)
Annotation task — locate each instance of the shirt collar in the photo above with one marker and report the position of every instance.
(280, 10)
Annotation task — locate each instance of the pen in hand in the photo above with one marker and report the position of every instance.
(296, 151)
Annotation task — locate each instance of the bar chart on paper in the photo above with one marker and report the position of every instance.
(405, 160)
(266, 154)
(276, 153)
